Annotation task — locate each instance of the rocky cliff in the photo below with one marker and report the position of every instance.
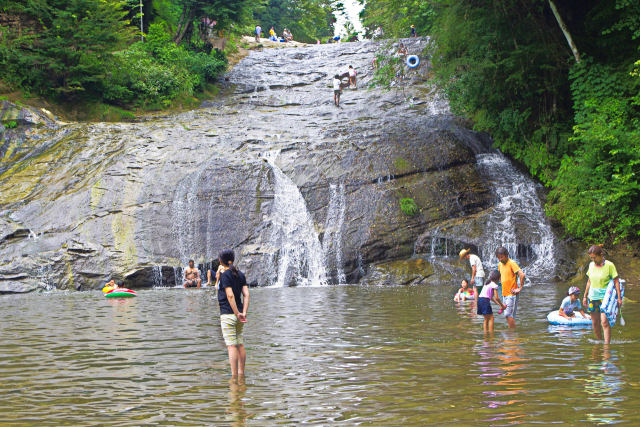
(134, 201)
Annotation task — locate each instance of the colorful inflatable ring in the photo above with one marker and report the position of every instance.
(413, 61)
(467, 296)
(120, 293)
(555, 319)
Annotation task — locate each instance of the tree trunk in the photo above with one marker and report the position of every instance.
(186, 20)
(565, 31)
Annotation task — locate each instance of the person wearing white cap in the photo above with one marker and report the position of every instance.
(477, 272)
(571, 304)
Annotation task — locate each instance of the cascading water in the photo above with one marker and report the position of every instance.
(299, 258)
(518, 219)
(157, 276)
(185, 202)
(332, 240)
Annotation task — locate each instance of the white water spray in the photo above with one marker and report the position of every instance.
(332, 240)
(299, 257)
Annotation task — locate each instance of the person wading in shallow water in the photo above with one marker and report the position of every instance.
(509, 274)
(600, 273)
(477, 272)
(233, 298)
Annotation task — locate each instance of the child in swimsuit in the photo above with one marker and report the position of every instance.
(464, 292)
(487, 294)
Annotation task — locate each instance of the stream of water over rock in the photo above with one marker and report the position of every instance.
(136, 201)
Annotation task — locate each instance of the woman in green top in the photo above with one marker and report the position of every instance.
(600, 273)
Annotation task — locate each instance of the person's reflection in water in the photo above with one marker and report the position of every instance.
(503, 377)
(604, 386)
(236, 412)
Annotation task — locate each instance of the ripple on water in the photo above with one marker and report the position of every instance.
(333, 355)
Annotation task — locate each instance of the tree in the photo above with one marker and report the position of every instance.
(66, 56)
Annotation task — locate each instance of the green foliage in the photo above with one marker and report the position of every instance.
(81, 53)
(70, 48)
(596, 193)
(507, 66)
(307, 20)
(11, 124)
(396, 16)
(409, 207)
(158, 71)
(388, 68)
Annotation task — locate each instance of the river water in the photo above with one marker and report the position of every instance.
(337, 355)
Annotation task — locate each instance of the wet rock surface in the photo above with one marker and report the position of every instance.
(87, 202)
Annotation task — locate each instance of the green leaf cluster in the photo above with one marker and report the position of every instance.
(409, 206)
(158, 71)
(395, 17)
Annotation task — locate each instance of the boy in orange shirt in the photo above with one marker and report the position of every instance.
(509, 274)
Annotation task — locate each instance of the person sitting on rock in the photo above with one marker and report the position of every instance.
(191, 276)
(402, 50)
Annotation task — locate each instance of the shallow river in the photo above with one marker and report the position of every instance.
(332, 355)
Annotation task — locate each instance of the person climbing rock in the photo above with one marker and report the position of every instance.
(337, 89)
(352, 77)
(191, 276)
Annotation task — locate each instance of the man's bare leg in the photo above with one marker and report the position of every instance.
(233, 360)
(242, 358)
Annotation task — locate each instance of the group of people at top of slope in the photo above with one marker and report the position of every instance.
(511, 276)
(286, 34)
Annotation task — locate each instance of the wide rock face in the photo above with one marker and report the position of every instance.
(135, 201)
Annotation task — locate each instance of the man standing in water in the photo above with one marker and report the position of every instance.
(509, 274)
(191, 276)
(477, 272)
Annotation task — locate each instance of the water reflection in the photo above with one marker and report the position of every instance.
(603, 385)
(502, 364)
(236, 412)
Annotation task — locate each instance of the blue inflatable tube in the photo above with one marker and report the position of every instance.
(413, 61)
(555, 319)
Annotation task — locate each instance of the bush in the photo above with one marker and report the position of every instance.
(409, 207)
(158, 71)
(10, 125)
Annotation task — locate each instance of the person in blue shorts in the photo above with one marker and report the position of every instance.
(489, 293)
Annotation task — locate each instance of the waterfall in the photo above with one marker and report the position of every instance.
(299, 258)
(157, 276)
(177, 273)
(185, 203)
(518, 221)
(332, 240)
